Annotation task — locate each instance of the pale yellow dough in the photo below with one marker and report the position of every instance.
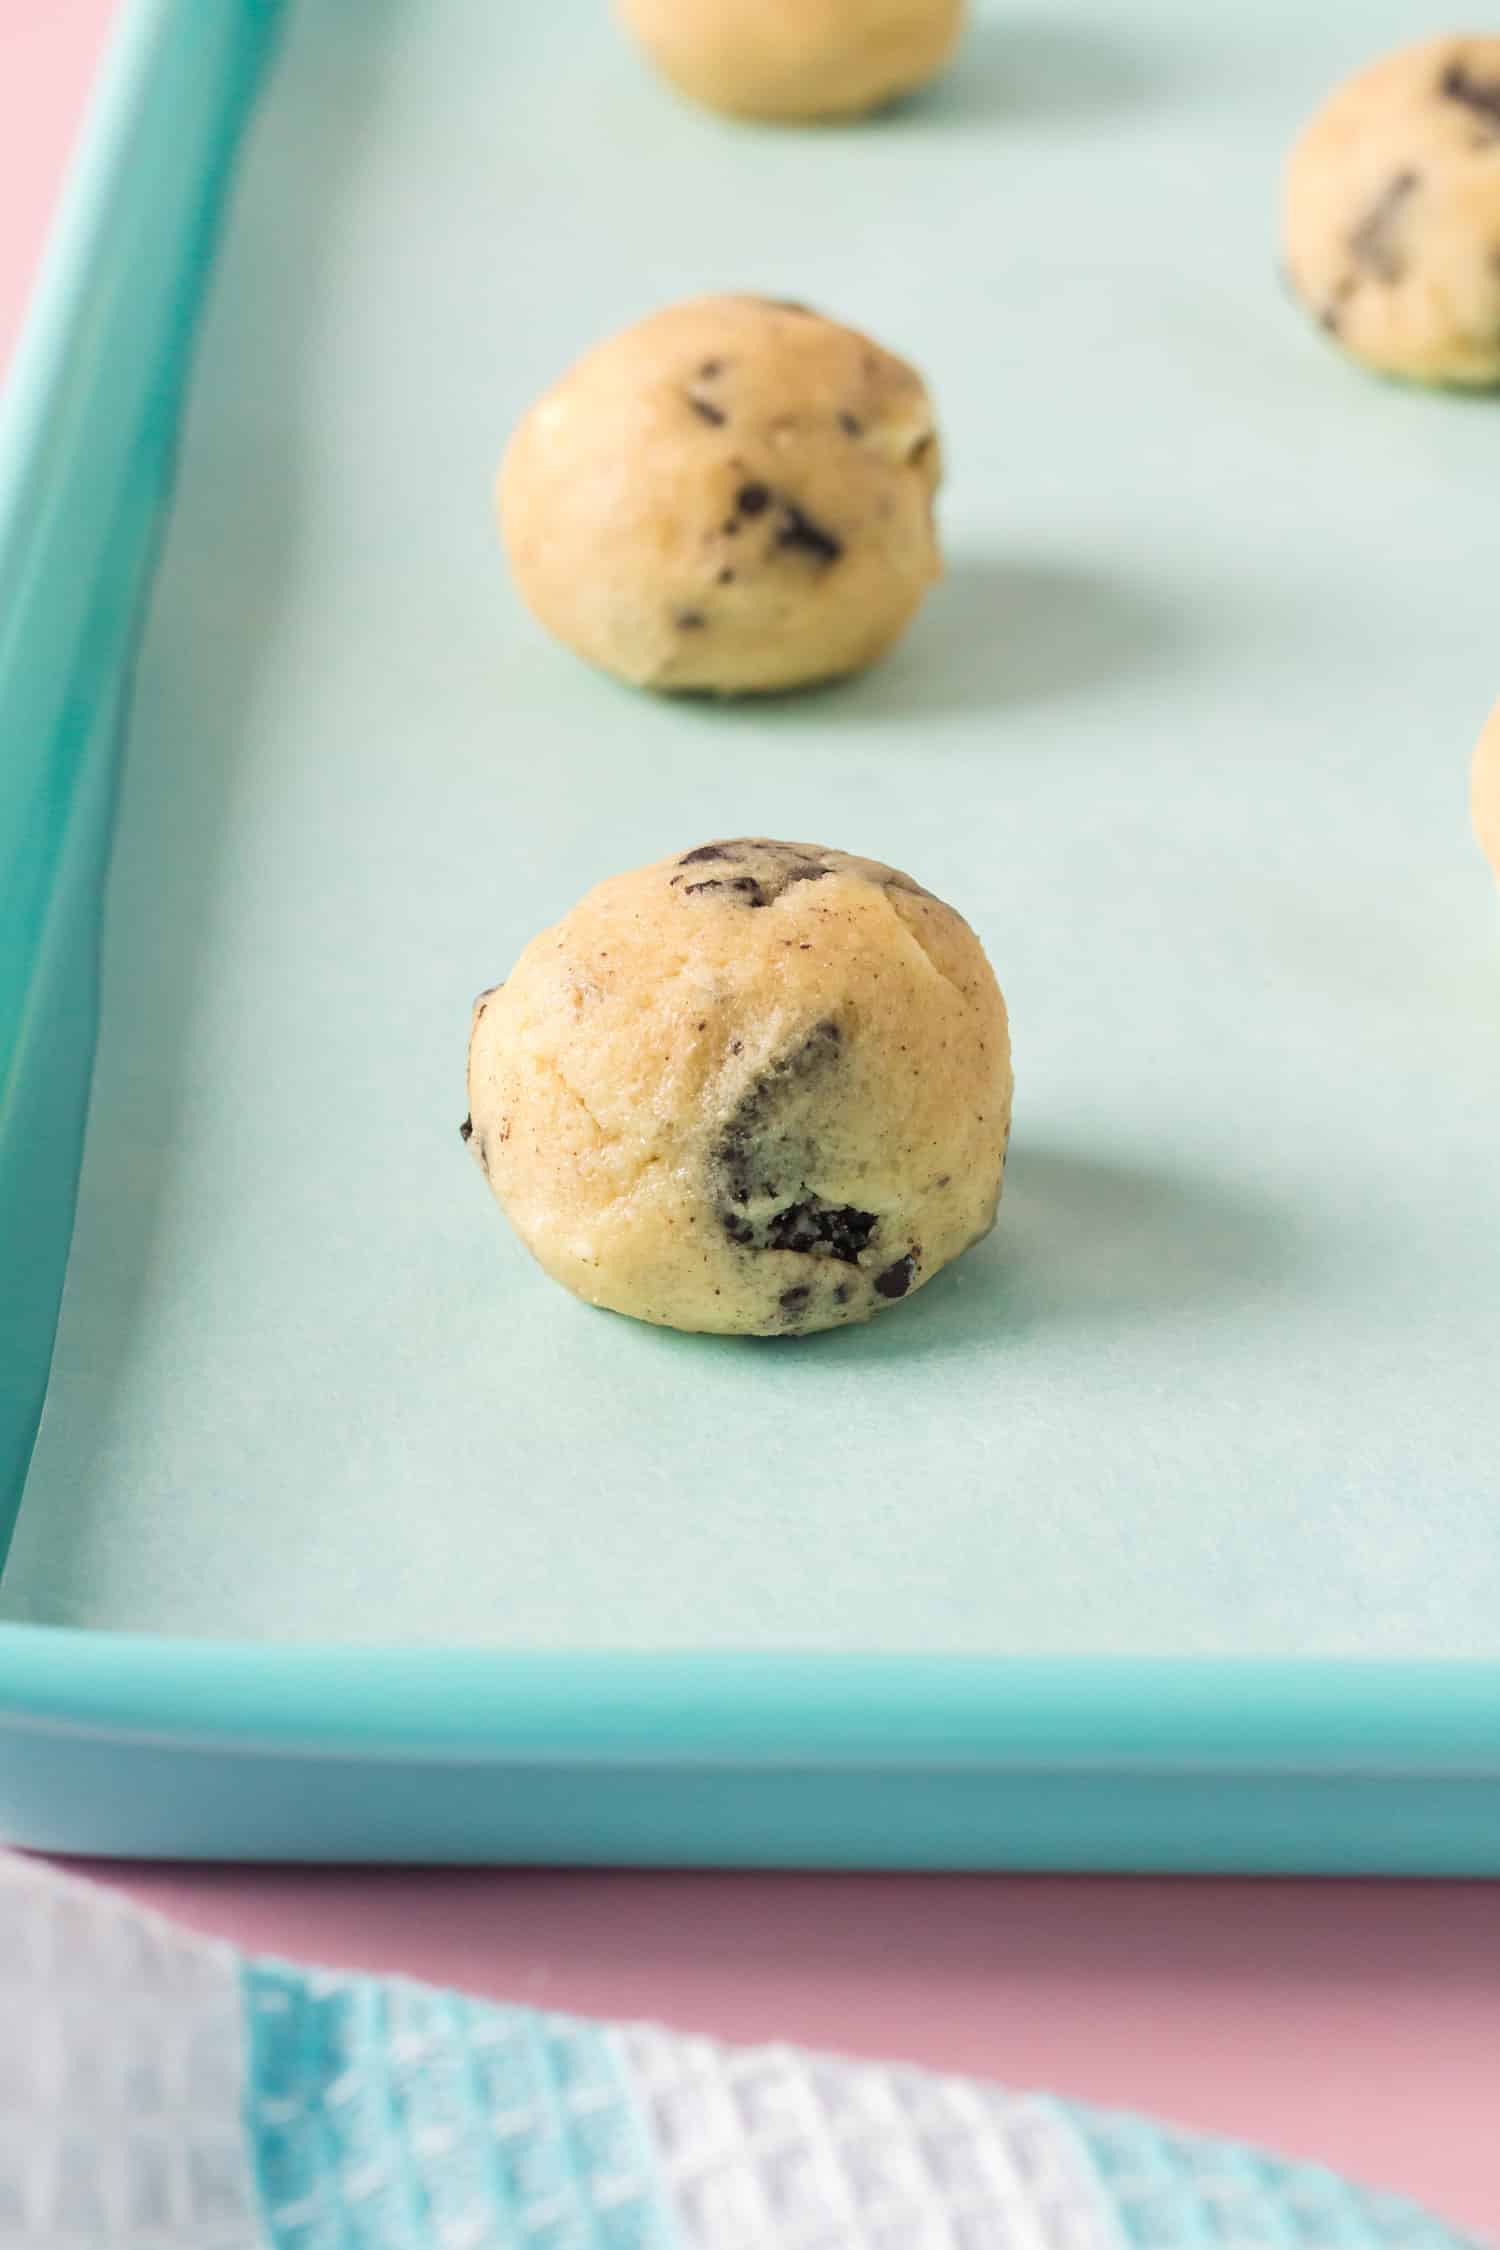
(734, 495)
(1486, 790)
(795, 59)
(758, 1088)
(1391, 213)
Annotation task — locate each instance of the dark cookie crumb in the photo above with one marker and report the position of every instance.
(690, 621)
(709, 368)
(725, 577)
(897, 1279)
(841, 1294)
(730, 526)
(797, 530)
(1482, 95)
(823, 1040)
(1331, 317)
(837, 1228)
(752, 1147)
(793, 1300)
(784, 866)
(753, 499)
(1373, 240)
(466, 1131)
(851, 425)
(745, 885)
(706, 410)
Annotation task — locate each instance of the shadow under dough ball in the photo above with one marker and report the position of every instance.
(735, 495)
(1391, 213)
(789, 60)
(759, 1089)
(1486, 790)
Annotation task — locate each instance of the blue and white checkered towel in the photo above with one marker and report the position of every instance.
(158, 2092)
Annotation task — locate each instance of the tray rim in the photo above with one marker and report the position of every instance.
(1351, 1717)
(1383, 1721)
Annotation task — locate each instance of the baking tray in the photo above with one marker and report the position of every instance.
(1161, 1531)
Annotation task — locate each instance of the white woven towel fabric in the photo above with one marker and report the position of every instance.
(121, 2077)
(158, 2092)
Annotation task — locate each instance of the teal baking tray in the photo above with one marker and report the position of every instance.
(1162, 1532)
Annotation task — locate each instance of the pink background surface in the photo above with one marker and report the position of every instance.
(1358, 2024)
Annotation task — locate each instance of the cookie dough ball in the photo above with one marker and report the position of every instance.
(1392, 213)
(795, 59)
(1486, 790)
(734, 495)
(759, 1089)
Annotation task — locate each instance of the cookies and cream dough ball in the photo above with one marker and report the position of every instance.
(795, 59)
(734, 495)
(1392, 213)
(758, 1088)
(1486, 790)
